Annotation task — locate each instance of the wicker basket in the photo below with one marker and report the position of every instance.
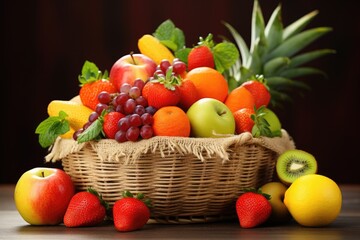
(188, 179)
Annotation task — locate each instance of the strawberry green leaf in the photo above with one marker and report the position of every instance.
(91, 73)
(51, 128)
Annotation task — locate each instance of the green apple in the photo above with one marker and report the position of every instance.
(271, 118)
(42, 195)
(210, 117)
(276, 190)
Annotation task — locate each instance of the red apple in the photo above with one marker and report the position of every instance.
(130, 67)
(42, 195)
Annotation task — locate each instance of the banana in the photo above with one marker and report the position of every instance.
(78, 114)
(154, 49)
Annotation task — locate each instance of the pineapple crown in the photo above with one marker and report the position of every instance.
(275, 53)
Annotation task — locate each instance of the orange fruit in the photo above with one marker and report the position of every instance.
(171, 121)
(243, 121)
(209, 83)
(239, 98)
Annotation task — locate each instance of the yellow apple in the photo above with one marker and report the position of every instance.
(276, 190)
(42, 195)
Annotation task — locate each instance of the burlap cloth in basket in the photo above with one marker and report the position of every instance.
(110, 150)
(187, 179)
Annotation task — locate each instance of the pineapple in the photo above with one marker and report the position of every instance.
(275, 54)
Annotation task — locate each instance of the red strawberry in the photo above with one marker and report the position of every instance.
(110, 125)
(162, 90)
(188, 94)
(89, 92)
(243, 120)
(258, 88)
(92, 82)
(86, 208)
(253, 208)
(201, 55)
(130, 213)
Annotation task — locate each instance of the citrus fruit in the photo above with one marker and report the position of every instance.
(209, 83)
(171, 121)
(239, 98)
(313, 200)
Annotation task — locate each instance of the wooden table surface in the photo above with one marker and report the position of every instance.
(346, 226)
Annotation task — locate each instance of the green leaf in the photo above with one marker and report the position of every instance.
(92, 132)
(91, 73)
(275, 65)
(296, 43)
(255, 63)
(169, 35)
(309, 56)
(182, 54)
(298, 25)
(244, 50)
(51, 128)
(225, 55)
(274, 29)
(165, 30)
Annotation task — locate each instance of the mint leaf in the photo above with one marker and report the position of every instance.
(51, 128)
(182, 54)
(169, 35)
(92, 132)
(225, 55)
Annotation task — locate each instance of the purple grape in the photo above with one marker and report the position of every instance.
(132, 134)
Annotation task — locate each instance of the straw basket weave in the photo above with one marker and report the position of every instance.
(187, 179)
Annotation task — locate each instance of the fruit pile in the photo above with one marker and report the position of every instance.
(207, 90)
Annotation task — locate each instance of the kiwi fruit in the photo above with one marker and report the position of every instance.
(293, 164)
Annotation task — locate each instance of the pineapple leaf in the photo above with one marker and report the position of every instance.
(282, 83)
(274, 29)
(255, 63)
(244, 50)
(275, 65)
(299, 25)
(309, 56)
(296, 43)
(258, 40)
(301, 71)
(278, 97)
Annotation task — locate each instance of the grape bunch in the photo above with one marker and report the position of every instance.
(178, 68)
(137, 117)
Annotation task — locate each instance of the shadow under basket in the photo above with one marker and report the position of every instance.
(188, 180)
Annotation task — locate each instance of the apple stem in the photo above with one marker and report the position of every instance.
(42, 174)
(132, 57)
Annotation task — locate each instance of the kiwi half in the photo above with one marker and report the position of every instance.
(293, 164)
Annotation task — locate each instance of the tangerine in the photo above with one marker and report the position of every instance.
(239, 98)
(171, 121)
(209, 83)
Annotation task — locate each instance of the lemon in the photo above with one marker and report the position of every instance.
(313, 200)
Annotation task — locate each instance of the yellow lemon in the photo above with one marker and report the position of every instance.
(313, 200)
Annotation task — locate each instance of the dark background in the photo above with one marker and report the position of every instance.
(45, 44)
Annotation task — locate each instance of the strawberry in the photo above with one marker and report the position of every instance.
(243, 120)
(258, 88)
(188, 94)
(253, 208)
(110, 124)
(92, 82)
(86, 208)
(201, 55)
(131, 213)
(162, 90)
